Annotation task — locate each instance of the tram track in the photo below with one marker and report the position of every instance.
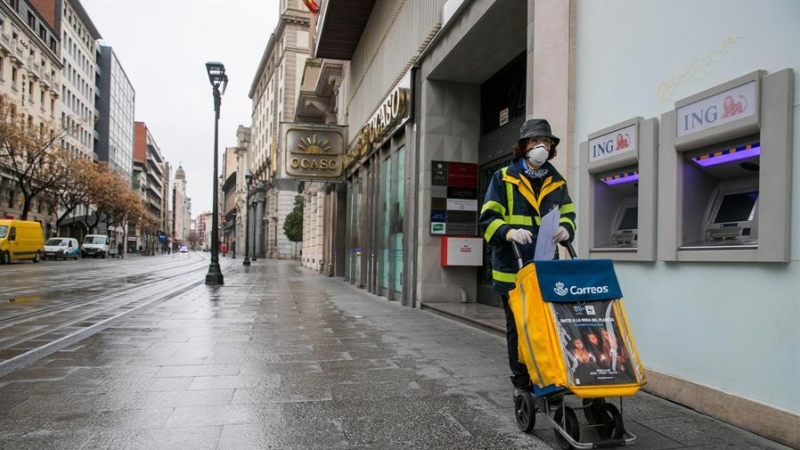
(40, 327)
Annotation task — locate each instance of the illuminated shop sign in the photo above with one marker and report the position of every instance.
(733, 104)
(614, 143)
(313, 151)
(394, 110)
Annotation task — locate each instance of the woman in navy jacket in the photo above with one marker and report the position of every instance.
(516, 199)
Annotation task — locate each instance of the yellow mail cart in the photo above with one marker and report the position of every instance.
(575, 341)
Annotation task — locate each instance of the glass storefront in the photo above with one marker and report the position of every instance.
(375, 222)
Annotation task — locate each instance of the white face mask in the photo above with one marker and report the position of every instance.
(538, 155)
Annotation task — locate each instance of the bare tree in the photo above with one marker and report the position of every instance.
(31, 152)
(73, 190)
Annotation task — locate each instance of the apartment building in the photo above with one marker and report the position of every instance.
(274, 92)
(150, 176)
(30, 75)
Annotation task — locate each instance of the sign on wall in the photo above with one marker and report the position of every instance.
(454, 198)
(615, 143)
(733, 104)
(393, 112)
(312, 151)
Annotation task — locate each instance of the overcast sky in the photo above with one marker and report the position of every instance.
(163, 46)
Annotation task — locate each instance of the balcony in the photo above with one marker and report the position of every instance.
(5, 43)
(339, 27)
(34, 68)
(46, 81)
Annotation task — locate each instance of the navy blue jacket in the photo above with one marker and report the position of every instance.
(515, 201)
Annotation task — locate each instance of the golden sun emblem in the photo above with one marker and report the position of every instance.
(314, 145)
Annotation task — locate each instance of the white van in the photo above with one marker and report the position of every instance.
(62, 248)
(94, 245)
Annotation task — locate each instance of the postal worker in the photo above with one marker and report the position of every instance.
(516, 199)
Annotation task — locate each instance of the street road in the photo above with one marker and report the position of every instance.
(47, 306)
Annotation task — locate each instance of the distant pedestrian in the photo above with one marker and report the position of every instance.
(120, 250)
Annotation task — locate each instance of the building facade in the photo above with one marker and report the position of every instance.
(116, 105)
(474, 71)
(150, 176)
(274, 92)
(78, 90)
(181, 208)
(243, 196)
(30, 76)
(228, 199)
(203, 230)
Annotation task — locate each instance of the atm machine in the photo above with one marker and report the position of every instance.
(616, 217)
(717, 146)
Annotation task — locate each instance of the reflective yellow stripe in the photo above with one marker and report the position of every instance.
(492, 205)
(492, 228)
(567, 208)
(548, 188)
(567, 220)
(519, 220)
(527, 191)
(504, 277)
(510, 197)
(538, 220)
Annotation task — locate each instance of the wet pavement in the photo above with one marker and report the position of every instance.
(46, 307)
(284, 358)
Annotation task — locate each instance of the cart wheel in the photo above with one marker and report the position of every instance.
(570, 425)
(593, 410)
(525, 412)
(612, 428)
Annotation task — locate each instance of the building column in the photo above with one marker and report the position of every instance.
(258, 221)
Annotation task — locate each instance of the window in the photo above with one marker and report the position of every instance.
(31, 20)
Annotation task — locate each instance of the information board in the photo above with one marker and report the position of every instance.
(454, 198)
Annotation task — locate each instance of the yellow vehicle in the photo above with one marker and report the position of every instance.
(20, 240)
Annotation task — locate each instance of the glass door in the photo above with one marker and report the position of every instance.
(397, 217)
(353, 230)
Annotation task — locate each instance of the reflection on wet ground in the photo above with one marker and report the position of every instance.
(57, 315)
(25, 299)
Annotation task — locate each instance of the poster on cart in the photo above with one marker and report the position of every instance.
(594, 350)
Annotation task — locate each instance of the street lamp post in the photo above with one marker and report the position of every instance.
(219, 81)
(247, 177)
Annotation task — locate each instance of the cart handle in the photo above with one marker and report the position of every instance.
(570, 249)
(518, 254)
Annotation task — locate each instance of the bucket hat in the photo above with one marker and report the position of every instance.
(537, 127)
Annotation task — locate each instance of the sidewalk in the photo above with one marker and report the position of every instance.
(283, 358)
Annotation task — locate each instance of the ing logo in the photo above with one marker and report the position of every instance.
(560, 289)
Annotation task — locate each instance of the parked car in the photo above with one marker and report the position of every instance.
(94, 245)
(20, 240)
(184, 249)
(62, 248)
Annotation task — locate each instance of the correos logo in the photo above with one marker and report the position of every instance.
(561, 290)
(575, 290)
